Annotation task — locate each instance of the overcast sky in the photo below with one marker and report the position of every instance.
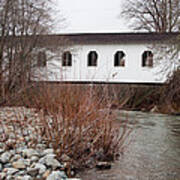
(90, 16)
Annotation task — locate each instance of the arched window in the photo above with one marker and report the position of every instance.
(41, 59)
(67, 59)
(147, 59)
(92, 58)
(119, 58)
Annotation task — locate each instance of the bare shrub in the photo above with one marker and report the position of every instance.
(170, 99)
(133, 97)
(75, 121)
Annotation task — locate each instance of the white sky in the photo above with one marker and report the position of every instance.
(90, 16)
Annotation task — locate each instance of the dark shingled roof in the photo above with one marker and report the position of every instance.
(98, 38)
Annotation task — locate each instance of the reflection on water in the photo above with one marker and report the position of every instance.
(154, 153)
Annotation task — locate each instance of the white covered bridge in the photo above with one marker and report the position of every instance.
(102, 58)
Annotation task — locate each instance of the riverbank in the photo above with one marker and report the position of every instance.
(24, 155)
(29, 148)
(154, 151)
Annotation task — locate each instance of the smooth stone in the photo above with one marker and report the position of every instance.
(1, 151)
(46, 174)
(7, 165)
(32, 171)
(10, 171)
(2, 145)
(41, 167)
(13, 152)
(41, 146)
(19, 150)
(15, 158)
(50, 161)
(57, 175)
(5, 157)
(19, 164)
(2, 176)
(27, 162)
(47, 151)
(34, 159)
(21, 173)
(9, 177)
(29, 153)
(27, 177)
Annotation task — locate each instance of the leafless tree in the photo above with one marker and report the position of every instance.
(21, 23)
(153, 15)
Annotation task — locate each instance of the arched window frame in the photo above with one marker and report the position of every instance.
(66, 59)
(119, 59)
(147, 59)
(92, 59)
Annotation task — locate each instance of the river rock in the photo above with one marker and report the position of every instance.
(34, 159)
(20, 164)
(47, 151)
(29, 153)
(46, 174)
(27, 177)
(15, 158)
(2, 176)
(7, 165)
(41, 146)
(2, 145)
(10, 171)
(10, 177)
(41, 167)
(5, 157)
(32, 171)
(1, 151)
(57, 175)
(50, 161)
(21, 173)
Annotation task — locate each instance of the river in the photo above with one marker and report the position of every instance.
(153, 152)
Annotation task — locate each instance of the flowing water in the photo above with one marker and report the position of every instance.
(154, 151)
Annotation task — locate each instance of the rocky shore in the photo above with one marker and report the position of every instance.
(20, 158)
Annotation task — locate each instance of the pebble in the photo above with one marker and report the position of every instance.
(1, 151)
(19, 164)
(57, 175)
(25, 162)
(2, 176)
(29, 153)
(34, 159)
(48, 151)
(5, 157)
(32, 171)
(25, 178)
(10, 171)
(41, 168)
(50, 161)
(15, 157)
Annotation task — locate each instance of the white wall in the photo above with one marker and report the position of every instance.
(133, 72)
